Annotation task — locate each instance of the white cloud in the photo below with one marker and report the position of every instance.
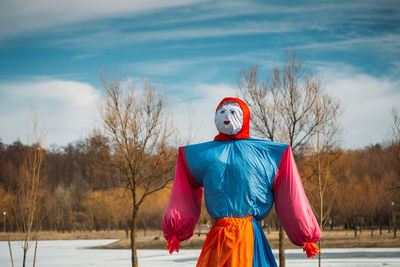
(26, 15)
(242, 28)
(64, 108)
(159, 67)
(384, 42)
(365, 11)
(110, 37)
(169, 67)
(366, 100)
(67, 109)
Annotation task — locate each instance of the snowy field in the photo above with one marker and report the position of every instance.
(63, 253)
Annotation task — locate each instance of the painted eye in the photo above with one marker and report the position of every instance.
(232, 112)
(222, 111)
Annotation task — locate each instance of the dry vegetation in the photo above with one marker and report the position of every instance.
(363, 184)
(154, 240)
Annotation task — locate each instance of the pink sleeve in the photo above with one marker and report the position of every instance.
(292, 206)
(184, 206)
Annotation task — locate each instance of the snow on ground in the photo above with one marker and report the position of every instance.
(63, 253)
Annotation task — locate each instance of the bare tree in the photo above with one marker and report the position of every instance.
(30, 198)
(395, 156)
(284, 107)
(140, 131)
(326, 137)
(395, 143)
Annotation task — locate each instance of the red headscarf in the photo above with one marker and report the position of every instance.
(245, 131)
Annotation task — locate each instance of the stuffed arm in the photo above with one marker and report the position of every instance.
(184, 206)
(292, 207)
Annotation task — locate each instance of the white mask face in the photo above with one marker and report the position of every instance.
(229, 118)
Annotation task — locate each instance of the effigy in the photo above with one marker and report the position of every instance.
(241, 178)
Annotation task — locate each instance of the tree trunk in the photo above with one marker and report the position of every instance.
(133, 238)
(321, 195)
(355, 230)
(319, 255)
(394, 224)
(11, 256)
(321, 227)
(24, 259)
(281, 246)
(198, 234)
(34, 255)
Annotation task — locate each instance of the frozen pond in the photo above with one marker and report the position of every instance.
(62, 253)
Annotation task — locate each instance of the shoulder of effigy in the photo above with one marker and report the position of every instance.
(261, 144)
(208, 148)
(246, 143)
(203, 146)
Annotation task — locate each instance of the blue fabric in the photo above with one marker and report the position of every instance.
(237, 175)
(262, 253)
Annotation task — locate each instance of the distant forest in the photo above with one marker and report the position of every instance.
(81, 188)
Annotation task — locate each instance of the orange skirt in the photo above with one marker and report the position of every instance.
(230, 242)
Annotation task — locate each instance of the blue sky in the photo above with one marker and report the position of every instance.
(52, 53)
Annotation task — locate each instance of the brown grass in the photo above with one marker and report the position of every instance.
(155, 240)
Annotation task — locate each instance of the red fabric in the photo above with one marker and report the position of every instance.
(291, 204)
(184, 206)
(173, 244)
(245, 131)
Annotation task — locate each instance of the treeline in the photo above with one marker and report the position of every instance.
(81, 188)
(362, 187)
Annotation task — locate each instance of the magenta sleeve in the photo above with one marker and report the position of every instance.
(184, 206)
(291, 204)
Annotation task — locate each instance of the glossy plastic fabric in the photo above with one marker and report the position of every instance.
(237, 175)
(184, 206)
(291, 204)
(262, 254)
(241, 178)
(228, 244)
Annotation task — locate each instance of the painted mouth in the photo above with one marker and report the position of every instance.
(226, 122)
